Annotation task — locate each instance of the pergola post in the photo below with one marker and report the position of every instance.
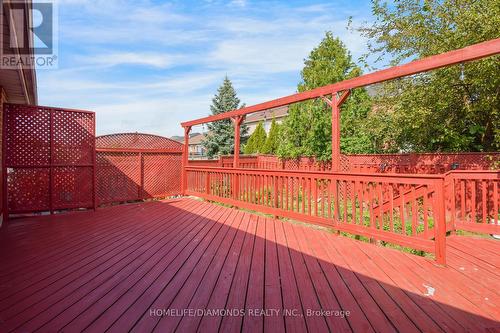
(236, 156)
(335, 134)
(185, 158)
(237, 133)
(336, 102)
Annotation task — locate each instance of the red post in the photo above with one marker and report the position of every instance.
(236, 157)
(5, 202)
(94, 169)
(185, 159)
(336, 102)
(335, 134)
(237, 126)
(440, 223)
(141, 177)
(51, 167)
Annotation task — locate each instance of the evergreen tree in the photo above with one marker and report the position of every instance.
(307, 129)
(455, 108)
(271, 145)
(256, 141)
(220, 138)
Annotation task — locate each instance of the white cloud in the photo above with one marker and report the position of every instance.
(127, 58)
(239, 3)
(145, 66)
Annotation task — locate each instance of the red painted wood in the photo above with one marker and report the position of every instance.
(123, 294)
(187, 254)
(255, 290)
(220, 293)
(185, 262)
(315, 274)
(179, 298)
(214, 274)
(81, 281)
(291, 298)
(272, 291)
(238, 292)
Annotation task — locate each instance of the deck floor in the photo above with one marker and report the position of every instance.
(191, 266)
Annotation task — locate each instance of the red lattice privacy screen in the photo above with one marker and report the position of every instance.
(136, 166)
(49, 159)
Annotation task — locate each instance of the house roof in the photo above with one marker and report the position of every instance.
(197, 139)
(278, 112)
(19, 83)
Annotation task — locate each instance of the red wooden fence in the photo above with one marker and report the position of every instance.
(48, 159)
(136, 166)
(416, 163)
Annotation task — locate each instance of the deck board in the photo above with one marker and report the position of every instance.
(105, 270)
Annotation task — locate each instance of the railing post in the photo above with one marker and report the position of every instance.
(237, 126)
(185, 159)
(141, 177)
(207, 182)
(440, 222)
(236, 156)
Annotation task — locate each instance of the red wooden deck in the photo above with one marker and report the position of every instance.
(119, 268)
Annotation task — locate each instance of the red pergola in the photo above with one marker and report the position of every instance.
(340, 91)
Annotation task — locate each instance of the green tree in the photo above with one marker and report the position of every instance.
(271, 145)
(307, 129)
(256, 141)
(451, 109)
(220, 138)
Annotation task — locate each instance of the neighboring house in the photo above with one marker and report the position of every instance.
(177, 138)
(266, 117)
(196, 148)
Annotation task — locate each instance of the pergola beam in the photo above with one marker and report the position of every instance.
(473, 52)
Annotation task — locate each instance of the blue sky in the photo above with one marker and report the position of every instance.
(147, 65)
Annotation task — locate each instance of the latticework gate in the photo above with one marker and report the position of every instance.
(135, 166)
(48, 159)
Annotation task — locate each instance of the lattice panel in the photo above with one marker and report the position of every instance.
(73, 139)
(28, 189)
(431, 163)
(72, 187)
(137, 141)
(162, 174)
(118, 177)
(27, 136)
(49, 158)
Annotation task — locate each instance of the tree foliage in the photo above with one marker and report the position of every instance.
(220, 138)
(307, 129)
(451, 109)
(272, 141)
(256, 141)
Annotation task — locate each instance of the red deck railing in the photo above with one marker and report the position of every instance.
(414, 211)
(473, 200)
(407, 210)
